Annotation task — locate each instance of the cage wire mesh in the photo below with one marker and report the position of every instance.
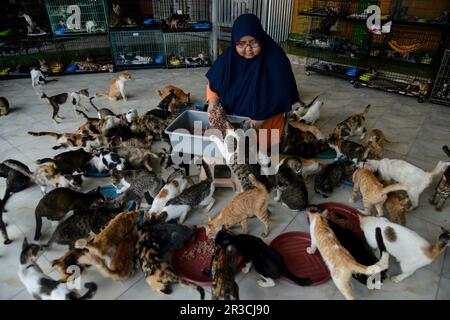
(138, 48)
(198, 10)
(69, 17)
(130, 14)
(188, 49)
(80, 54)
(441, 89)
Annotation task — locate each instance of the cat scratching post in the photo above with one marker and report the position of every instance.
(231, 182)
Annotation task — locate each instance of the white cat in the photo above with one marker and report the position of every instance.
(36, 77)
(410, 249)
(90, 26)
(416, 179)
(313, 113)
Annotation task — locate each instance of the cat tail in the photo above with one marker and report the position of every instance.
(379, 238)
(207, 171)
(92, 104)
(366, 110)
(194, 286)
(381, 265)
(84, 114)
(256, 183)
(13, 166)
(394, 187)
(446, 150)
(92, 290)
(439, 168)
(45, 133)
(300, 281)
(159, 93)
(44, 160)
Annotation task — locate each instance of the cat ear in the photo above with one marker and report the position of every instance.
(444, 230)
(209, 218)
(25, 242)
(324, 213)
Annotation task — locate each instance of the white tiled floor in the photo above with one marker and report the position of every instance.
(418, 130)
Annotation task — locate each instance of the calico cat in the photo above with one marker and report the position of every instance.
(180, 95)
(330, 176)
(4, 106)
(54, 102)
(103, 112)
(48, 175)
(58, 202)
(81, 224)
(104, 126)
(253, 201)
(410, 249)
(372, 190)
(351, 150)
(291, 188)
(137, 153)
(267, 261)
(41, 286)
(355, 124)
(302, 143)
(356, 246)
(338, 260)
(72, 257)
(137, 183)
(199, 194)
(15, 180)
(223, 271)
(65, 140)
(397, 205)
(117, 87)
(157, 270)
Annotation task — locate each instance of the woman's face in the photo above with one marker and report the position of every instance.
(248, 47)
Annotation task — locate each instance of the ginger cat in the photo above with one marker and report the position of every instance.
(253, 201)
(117, 87)
(372, 190)
(338, 260)
(180, 95)
(398, 206)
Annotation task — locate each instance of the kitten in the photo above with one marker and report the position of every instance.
(353, 125)
(267, 261)
(54, 102)
(41, 286)
(81, 224)
(223, 271)
(174, 186)
(103, 112)
(251, 202)
(180, 95)
(48, 175)
(117, 87)
(413, 177)
(397, 206)
(90, 26)
(199, 194)
(410, 249)
(58, 202)
(338, 260)
(15, 180)
(351, 150)
(372, 190)
(291, 188)
(330, 176)
(4, 106)
(38, 78)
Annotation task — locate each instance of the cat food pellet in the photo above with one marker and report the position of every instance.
(203, 250)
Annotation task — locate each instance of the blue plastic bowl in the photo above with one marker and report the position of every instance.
(109, 191)
(159, 58)
(71, 68)
(148, 21)
(351, 72)
(92, 172)
(201, 25)
(60, 32)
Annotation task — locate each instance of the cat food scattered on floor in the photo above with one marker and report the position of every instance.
(204, 250)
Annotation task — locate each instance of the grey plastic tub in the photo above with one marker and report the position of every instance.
(182, 140)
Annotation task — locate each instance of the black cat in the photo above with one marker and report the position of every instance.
(70, 161)
(15, 181)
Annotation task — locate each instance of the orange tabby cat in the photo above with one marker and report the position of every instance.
(181, 96)
(253, 201)
(338, 260)
(373, 192)
(117, 87)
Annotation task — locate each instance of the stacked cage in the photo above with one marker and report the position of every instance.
(182, 15)
(138, 48)
(441, 89)
(187, 49)
(130, 14)
(77, 17)
(84, 54)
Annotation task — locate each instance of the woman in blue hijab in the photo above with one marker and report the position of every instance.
(253, 77)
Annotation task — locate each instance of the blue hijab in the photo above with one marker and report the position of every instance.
(258, 88)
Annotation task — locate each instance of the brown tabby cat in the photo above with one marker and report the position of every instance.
(353, 125)
(253, 201)
(223, 263)
(338, 260)
(398, 205)
(372, 190)
(181, 96)
(117, 87)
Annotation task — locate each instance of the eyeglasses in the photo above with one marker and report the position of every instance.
(252, 44)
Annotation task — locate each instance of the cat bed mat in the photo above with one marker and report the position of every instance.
(327, 154)
(93, 173)
(109, 191)
(346, 212)
(190, 261)
(292, 246)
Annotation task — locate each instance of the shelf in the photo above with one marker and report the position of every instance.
(419, 24)
(316, 15)
(403, 67)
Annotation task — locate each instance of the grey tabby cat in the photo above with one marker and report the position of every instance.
(81, 224)
(443, 188)
(135, 184)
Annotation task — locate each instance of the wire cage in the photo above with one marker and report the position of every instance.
(77, 17)
(129, 14)
(183, 14)
(138, 48)
(187, 49)
(441, 89)
(422, 11)
(80, 54)
(24, 18)
(19, 55)
(341, 8)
